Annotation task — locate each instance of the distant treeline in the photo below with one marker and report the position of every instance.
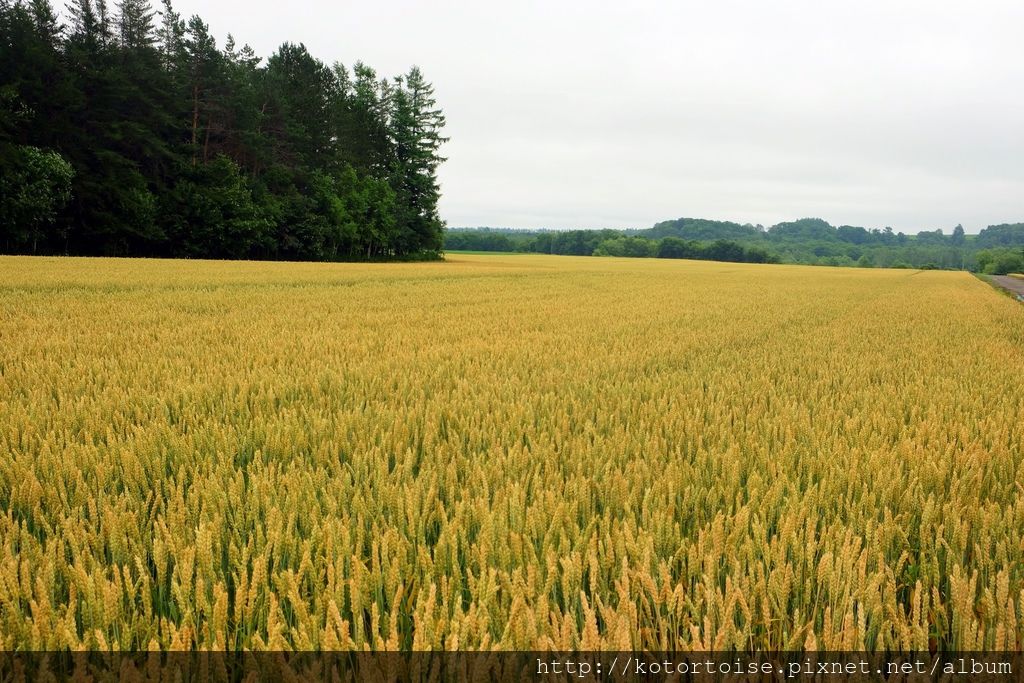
(996, 249)
(125, 134)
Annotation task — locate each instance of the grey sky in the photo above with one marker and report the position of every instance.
(594, 114)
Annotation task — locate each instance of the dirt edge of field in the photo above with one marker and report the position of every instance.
(1013, 285)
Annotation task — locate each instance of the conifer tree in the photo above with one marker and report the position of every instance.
(135, 24)
(416, 131)
(125, 134)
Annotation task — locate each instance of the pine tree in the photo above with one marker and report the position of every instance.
(135, 24)
(301, 90)
(176, 148)
(203, 62)
(416, 131)
(362, 119)
(84, 21)
(244, 108)
(45, 20)
(171, 36)
(104, 30)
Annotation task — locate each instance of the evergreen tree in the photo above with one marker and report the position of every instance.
(45, 20)
(244, 109)
(203, 62)
(363, 119)
(416, 134)
(123, 134)
(103, 24)
(135, 24)
(84, 22)
(171, 36)
(301, 90)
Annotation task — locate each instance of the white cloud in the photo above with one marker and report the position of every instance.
(589, 114)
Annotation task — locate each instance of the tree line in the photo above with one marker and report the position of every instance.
(996, 249)
(127, 131)
(603, 243)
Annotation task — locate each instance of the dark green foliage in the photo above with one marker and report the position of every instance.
(931, 237)
(479, 241)
(1001, 261)
(636, 247)
(959, 237)
(1004, 235)
(36, 184)
(700, 229)
(809, 241)
(210, 212)
(673, 247)
(803, 230)
(415, 134)
(129, 132)
(853, 234)
(724, 250)
(604, 243)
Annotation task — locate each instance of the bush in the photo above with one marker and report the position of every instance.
(1001, 261)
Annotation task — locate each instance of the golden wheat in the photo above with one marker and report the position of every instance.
(507, 452)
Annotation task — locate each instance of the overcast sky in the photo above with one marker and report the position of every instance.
(593, 114)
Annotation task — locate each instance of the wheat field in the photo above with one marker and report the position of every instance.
(508, 452)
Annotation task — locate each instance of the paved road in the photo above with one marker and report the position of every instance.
(1014, 284)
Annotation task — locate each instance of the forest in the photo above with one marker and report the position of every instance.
(127, 131)
(997, 249)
